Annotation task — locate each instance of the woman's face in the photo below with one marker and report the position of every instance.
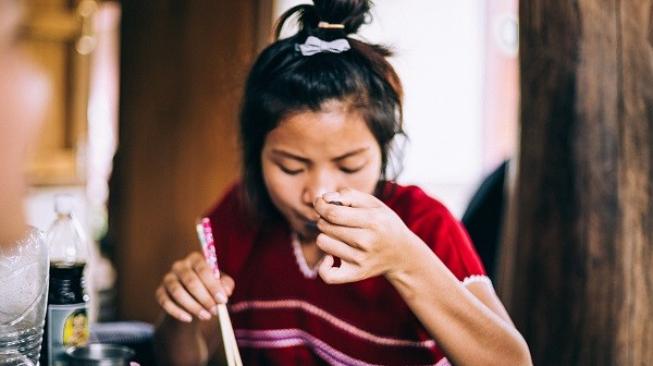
(311, 153)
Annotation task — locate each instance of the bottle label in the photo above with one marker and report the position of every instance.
(67, 327)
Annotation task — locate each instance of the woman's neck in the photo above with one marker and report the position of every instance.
(311, 252)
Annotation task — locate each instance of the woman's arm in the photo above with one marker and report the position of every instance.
(180, 343)
(468, 323)
(197, 343)
(189, 293)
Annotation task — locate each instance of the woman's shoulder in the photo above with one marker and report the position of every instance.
(233, 229)
(412, 203)
(429, 219)
(230, 207)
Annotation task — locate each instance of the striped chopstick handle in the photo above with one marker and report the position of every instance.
(205, 234)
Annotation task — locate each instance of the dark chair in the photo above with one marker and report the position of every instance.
(483, 217)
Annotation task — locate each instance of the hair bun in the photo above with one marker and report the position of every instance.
(350, 13)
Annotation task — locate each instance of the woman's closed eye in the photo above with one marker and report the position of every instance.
(289, 170)
(352, 170)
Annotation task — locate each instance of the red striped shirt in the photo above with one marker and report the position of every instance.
(281, 316)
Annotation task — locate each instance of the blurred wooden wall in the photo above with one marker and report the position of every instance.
(578, 260)
(183, 65)
(52, 38)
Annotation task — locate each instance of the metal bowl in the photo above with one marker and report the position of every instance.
(99, 354)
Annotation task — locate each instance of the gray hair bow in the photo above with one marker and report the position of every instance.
(314, 45)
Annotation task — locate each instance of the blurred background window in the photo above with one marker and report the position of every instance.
(458, 62)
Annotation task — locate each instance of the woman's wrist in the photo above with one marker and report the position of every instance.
(168, 324)
(412, 256)
(179, 343)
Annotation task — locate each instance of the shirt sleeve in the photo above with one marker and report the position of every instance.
(455, 249)
(443, 233)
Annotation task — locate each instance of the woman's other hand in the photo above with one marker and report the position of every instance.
(369, 238)
(190, 289)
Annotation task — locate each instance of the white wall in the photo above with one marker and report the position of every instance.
(439, 57)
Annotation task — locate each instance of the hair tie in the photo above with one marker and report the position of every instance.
(314, 45)
(326, 25)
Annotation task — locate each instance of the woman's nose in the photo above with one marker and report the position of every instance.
(316, 186)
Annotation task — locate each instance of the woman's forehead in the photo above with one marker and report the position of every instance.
(330, 130)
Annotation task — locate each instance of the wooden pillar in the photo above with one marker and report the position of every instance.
(578, 256)
(183, 67)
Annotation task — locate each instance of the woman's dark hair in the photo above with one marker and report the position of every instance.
(283, 81)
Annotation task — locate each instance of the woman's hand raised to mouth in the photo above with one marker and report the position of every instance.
(368, 237)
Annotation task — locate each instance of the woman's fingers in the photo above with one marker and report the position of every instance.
(339, 249)
(189, 276)
(192, 289)
(342, 215)
(170, 307)
(352, 198)
(214, 286)
(180, 295)
(355, 237)
(227, 283)
(336, 275)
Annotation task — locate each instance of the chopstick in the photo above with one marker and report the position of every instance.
(205, 236)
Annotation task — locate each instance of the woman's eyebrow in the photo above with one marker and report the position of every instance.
(351, 153)
(290, 155)
(305, 160)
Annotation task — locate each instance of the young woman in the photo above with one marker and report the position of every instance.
(327, 262)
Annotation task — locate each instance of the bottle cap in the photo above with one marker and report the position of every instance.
(63, 204)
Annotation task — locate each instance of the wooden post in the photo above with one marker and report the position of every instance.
(183, 67)
(578, 256)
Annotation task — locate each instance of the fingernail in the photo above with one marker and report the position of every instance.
(221, 297)
(186, 318)
(332, 198)
(204, 315)
(214, 310)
